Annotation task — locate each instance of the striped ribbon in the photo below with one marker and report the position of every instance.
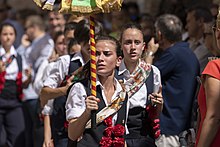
(93, 56)
(93, 65)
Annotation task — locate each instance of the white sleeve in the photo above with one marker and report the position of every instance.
(48, 108)
(58, 72)
(157, 78)
(75, 104)
(25, 66)
(38, 81)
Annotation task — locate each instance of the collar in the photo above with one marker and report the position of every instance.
(116, 84)
(123, 69)
(12, 51)
(78, 56)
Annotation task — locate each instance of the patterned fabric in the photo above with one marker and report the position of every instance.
(18, 78)
(8, 62)
(137, 79)
(110, 109)
(2, 74)
(82, 6)
(45, 4)
(81, 73)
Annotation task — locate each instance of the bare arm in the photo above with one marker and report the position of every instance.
(77, 125)
(48, 142)
(211, 123)
(152, 48)
(48, 93)
(29, 78)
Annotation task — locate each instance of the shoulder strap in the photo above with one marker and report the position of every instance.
(74, 65)
(19, 61)
(150, 82)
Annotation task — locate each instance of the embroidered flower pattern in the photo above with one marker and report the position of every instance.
(153, 120)
(19, 85)
(113, 135)
(2, 80)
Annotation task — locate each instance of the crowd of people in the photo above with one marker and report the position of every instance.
(157, 78)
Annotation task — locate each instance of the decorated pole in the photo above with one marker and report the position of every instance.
(93, 67)
(85, 7)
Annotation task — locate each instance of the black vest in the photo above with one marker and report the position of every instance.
(9, 96)
(59, 113)
(92, 137)
(137, 117)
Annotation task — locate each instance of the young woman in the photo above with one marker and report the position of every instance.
(55, 88)
(13, 77)
(209, 99)
(143, 85)
(110, 102)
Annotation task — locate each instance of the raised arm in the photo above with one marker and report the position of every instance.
(152, 48)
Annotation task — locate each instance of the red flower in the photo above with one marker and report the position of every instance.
(118, 130)
(19, 85)
(66, 124)
(108, 131)
(2, 80)
(152, 112)
(108, 121)
(118, 142)
(157, 134)
(156, 127)
(106, 142)
(113, 136)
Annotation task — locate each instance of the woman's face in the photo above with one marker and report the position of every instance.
(106, 57)
(7, 36)
(60, 46)
(132, 44)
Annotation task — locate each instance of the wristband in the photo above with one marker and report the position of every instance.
(149, 53)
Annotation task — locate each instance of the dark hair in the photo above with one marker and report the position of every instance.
(131, 26)
(7, 24)
(57, 34)
(72, 42)
(110, 38)
(201, 12)
(82, 31)
(70, 26)
(170, 27)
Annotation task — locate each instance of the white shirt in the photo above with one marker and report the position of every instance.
(39, 50)
(75, 104)
(139, 99)
(48, 108)
(60, 70)
(12, 69)
(38, 81)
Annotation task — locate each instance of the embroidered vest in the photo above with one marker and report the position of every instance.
(137, 121)
(92, 137)
(59, 123)
(7, 86)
